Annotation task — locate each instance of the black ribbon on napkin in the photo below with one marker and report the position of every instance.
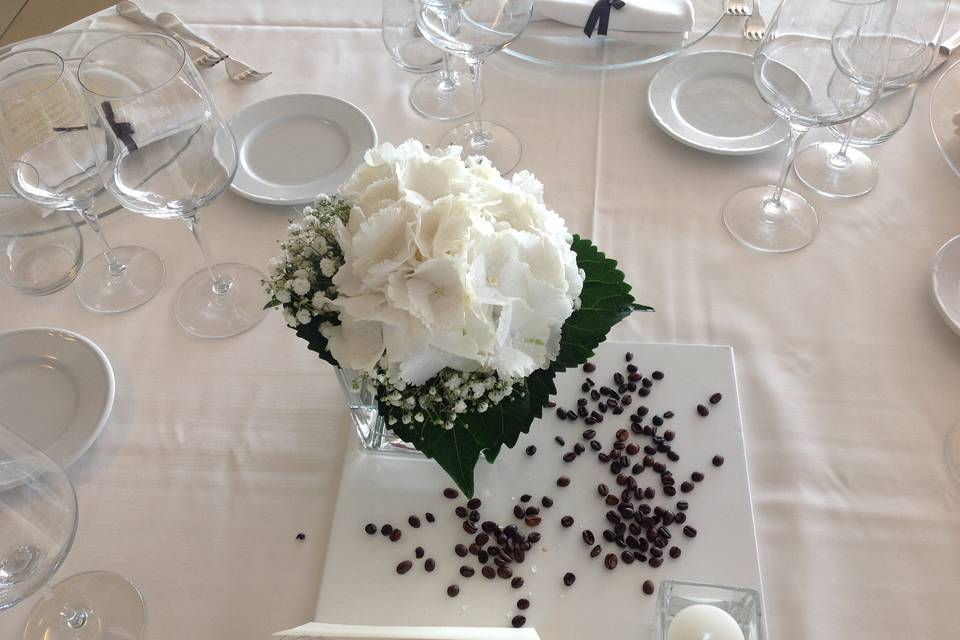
(123, 130)
(601, 14)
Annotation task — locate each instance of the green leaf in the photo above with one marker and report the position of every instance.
(273, 303)
(315, 340)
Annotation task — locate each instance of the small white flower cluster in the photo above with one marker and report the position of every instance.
(301, 279)
(447, 395)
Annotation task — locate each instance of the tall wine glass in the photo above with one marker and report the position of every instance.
(52, 156)
(475, 30)
(442, 93)
(822, 62)
(173, 155)
(38, 522)
(840, 170)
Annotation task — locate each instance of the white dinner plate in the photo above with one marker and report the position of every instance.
(708, 100)
(56, 390)
(293, 148)
(945, 282)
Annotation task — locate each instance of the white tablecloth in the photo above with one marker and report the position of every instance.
(218, 453)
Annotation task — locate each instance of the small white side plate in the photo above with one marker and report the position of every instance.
(56, 390)
(293, 148)
(945, 282)
(708, 101)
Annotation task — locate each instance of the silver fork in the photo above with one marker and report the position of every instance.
(738, 8)
(238, 71)
(755, 27)
(200, 56)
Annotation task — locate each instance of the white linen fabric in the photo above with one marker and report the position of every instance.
(636, 15)
(218, 453)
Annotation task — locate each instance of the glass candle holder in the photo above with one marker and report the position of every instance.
(742, 604)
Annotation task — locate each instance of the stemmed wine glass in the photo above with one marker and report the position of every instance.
(821, 63)
(52, 157)
(475, 30)
(835, 168)
(173, 154)
(442, 93)
(38, 522)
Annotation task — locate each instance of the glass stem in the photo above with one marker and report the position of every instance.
(220, 285)
(796, 133)
(73, 618)
(840, 157)
(479, 137)
(446, 79)
(114, 265)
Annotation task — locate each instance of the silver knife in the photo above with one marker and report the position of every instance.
(944, 51)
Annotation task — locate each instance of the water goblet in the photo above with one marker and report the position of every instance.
(52, 155)
(474, 31)
(174, 154)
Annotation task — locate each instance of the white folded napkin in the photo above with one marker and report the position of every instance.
(637, 15)
(168, 110)
(323, 631)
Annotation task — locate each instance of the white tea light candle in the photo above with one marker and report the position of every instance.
(704, 622)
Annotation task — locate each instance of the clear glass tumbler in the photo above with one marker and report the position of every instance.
(39, 253)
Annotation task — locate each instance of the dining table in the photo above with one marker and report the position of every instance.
(218, 453)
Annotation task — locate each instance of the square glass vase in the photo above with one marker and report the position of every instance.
(742, 604)
(360, 396)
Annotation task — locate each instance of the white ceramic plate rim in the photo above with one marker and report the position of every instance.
(953, 244)
(667, 127)
(107, 369)
(266, 199)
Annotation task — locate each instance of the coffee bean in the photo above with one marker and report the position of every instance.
(602, 457)
(675, 552)
(429, 564)
(469, 527)
(649, 493)
(467, 572)
(717, 460)
(560, 441)
(618, 378)
(531, 450)
(429, 517)
(588, 537)
(689, 531)
(566, 522)
(395, 535)
(648, 587)
(505, 573)
(561, 413)
(589, 367)
(533, 521)
(386, 530)
(610, 561)
(703, 411)
(451, 493)
(657, 375)
(715, 398)
(683, 505)
(622, 435)
(453, 591)
(632, 449)
(627, 557)
(418, 552)
(686, 486)
(518, 511)
(370, 528)
(643, 392)
(669, 435)
(550, 404)
(546, 501)
(460, 550)
(461, 511)
(404, 566)
(517, 582)
(414, 522)
(612, 500)
(569, 578)
(570, 456)
(563, 481)
(571, 415)
(680, 518)
(655, 562)
(518, 621)
(657, 421)
(489, 572)
(696, 476)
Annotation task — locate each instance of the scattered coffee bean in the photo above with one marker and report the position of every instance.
(461, 511)
(717, 460)
(546, 501)
(655, 562)
(571, 415)
(429, 517)
(523, 604)
(675, 552)
(518, 621)
(386, 530)
(563, 481)
(566, 522)
(669, 435)
(673, 456)
(657, 375)
(519, 512)
(474, 503)
(451, 493)
(404, 566)
(429, 565)
(533, 521)
(657, 421)
(303, 536)
(589, 367)
(648, 587)
(489, 572)
(686, 486)
(569, 578)
(696, 476)
(453, 591)
(715, 398)
(683, 505)
(371, 529)
(561, 413)
(395, 535)
(622, 435)
(570, 456)
(461, 550)
(588, 537)
(414, 522)
(504, 572)
(531, 450)
(419, 552)
(467, 572)
(560, 441)
(610, 561)
(618, 378)
(597, 550)
(703, 411)
(689, 531)
(517, 582)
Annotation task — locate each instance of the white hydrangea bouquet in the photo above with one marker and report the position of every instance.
(456, 291)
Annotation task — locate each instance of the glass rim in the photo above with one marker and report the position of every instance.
(177, 47)
(56, 56)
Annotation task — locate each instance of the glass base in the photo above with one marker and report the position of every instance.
(360, 395)
(45, 269)
(443, 97)
(498, 144)
(108, 607)
(819, 167)
(102, 292)
(756, 221)
(953, 452)
(204, 313)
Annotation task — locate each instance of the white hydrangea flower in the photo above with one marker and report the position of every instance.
(283, 295)
(328, 267)
(300, 286)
